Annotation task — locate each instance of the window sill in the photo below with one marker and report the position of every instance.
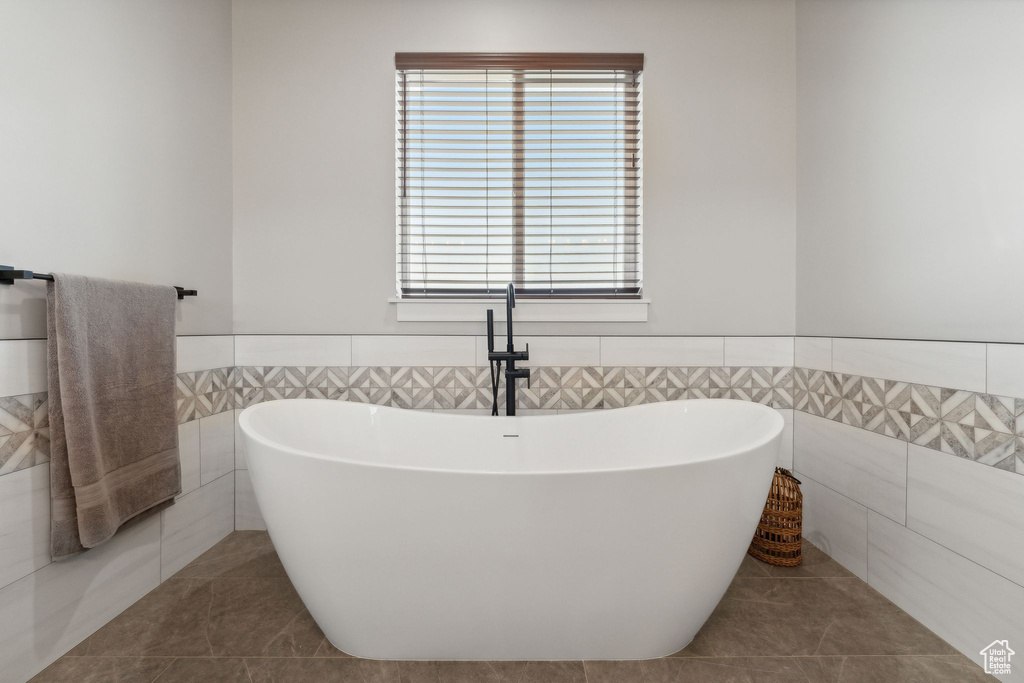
(527, 310)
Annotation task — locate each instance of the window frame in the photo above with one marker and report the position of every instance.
(523, 62)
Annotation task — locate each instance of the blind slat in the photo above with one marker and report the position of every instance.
(530, 175)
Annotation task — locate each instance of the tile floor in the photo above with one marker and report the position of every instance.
(232, 615)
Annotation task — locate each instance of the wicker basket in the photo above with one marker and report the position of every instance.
(778, 536)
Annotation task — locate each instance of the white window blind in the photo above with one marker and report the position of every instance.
(521, 168)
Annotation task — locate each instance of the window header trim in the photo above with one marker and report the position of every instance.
(562, 61)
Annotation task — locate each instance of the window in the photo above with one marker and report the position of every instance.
(519, 168)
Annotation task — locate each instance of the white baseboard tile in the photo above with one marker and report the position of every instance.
(868, 468)
(195, 523)
(190, 454)
(957, 365)
(24, 522)
(961, 601)
(205, 352)
(786, 447)
(814, 353)
(247, 510)
(768, 351)
(240, 463)
(1005, 369)
(22, 366)
(48, 612)
(289, 349)
(836, 524)
(414, 350)
(656, 351)
(976, 511)
(217, 445)
(549, 351)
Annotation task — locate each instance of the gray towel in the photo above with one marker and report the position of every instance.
(113, 430)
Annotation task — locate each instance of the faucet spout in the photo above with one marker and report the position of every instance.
(510, 303)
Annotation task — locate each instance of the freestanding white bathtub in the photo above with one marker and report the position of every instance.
(602, 535)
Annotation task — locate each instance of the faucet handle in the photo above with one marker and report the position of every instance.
(490, 330)
(529, 373)
(526, 353)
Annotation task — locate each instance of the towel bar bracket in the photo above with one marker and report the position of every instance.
(8, 275)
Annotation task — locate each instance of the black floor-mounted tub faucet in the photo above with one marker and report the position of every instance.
(509, 357)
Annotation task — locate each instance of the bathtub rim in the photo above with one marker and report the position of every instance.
(248, 431)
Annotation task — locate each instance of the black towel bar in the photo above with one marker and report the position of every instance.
(8, 275)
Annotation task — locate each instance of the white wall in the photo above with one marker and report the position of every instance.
(910, 168)
(314, 170)
(115, 150)
(115, 161)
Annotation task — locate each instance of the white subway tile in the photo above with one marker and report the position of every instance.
(195, 523)
(24, 522)
(869, 468)
(422, 350)
(189, 452)
(240, 463)
(957, 365)
(813, 352)
(216, 446)
(205, 352)
(1006, 369)
(776, 351)
(247, 510)
(573, 351)
(786, 447)
(976, 510)
(280, 349)
(22, 366)
(48, 612)
(662, 351)
(961, 601)
(836, 524)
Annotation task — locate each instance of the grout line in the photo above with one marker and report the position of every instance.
(906, 489)
(838, 493)
(234, 469)
(986, 368)
(164, 670)
(867, 546)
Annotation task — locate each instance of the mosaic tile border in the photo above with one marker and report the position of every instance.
(25, 426)
(985, 428)
(551, 388)
(204, 393)
(981, 427)
(24, 432)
